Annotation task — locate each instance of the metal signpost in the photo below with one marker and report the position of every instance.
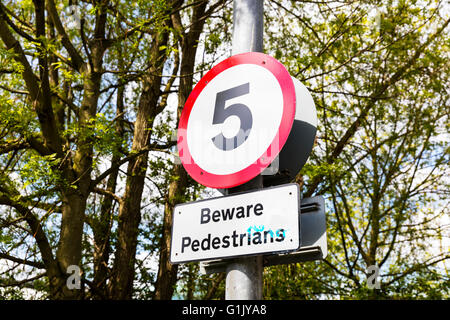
(244, 278)
(244, 115)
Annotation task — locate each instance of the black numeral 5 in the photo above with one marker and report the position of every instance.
(238, 109)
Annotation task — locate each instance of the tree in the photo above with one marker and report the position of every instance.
(377, 73)
(380, 159)
(60, 124)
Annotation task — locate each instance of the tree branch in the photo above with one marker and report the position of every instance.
(73, 52)
(107, 193)
(13, 283)
(33, 223)
(151, 147)
(34, 264)
(376, 96)
(40, 101)
(30, 78)
(19, 31)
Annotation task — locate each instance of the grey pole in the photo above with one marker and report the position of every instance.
(248, 26)
(244, 275)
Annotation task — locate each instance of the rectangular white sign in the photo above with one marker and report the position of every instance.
(256, 222)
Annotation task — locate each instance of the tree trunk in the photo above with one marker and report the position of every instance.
(102, 225)
(78, 175)
(121, 286)
(167, 272)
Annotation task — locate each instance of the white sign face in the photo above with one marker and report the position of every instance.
(263, 221)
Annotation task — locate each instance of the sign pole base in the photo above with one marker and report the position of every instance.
(244, 279)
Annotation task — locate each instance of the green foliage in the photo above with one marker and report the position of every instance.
(386, 192)
(379, 76)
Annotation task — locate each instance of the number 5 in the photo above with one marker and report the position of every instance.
(238, 109)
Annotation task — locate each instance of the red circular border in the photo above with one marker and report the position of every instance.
(288, 90)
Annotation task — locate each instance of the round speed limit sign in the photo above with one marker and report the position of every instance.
(236, 120)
